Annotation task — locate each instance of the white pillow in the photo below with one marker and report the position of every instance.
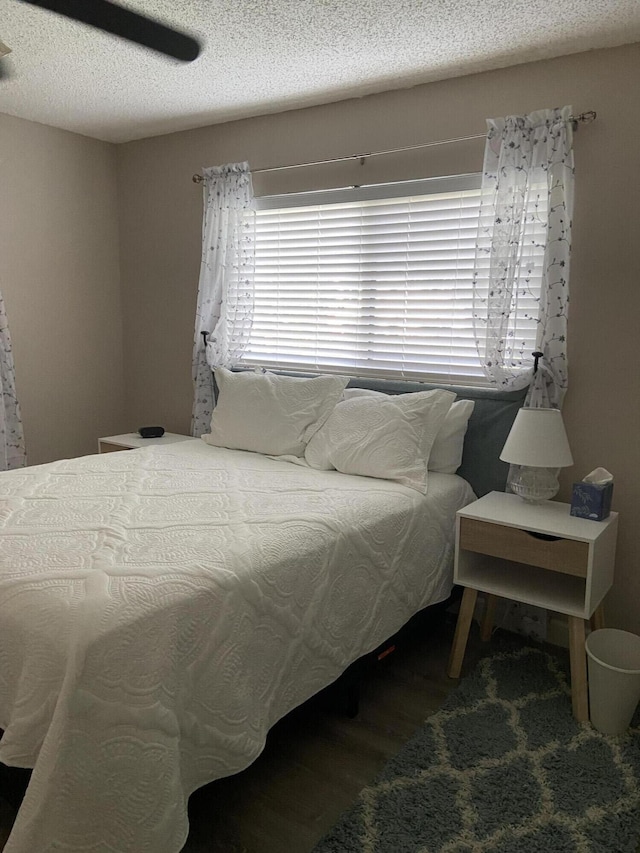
(446, 453)
(352, 393)
(386, 436)
(271, 414)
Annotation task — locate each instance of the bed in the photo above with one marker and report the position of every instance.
(161, 609)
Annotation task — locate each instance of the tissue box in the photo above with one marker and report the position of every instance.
(589, 500)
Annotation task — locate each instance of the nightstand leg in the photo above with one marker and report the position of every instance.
(597, 619)
(488, 618)
(467, 606)
(579, 698)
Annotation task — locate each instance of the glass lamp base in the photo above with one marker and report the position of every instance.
(534, 485)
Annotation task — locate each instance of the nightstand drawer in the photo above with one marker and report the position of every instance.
(567, 556)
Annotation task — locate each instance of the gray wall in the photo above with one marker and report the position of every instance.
(60, 278)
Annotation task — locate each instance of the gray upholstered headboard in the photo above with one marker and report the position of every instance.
(489, 425)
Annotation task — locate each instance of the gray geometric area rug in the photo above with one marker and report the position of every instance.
(502, 768)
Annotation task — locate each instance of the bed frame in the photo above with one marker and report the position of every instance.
(488, 428)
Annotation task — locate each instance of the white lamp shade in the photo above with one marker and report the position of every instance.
(538, 439)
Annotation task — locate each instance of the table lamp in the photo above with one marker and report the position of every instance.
(538, 444)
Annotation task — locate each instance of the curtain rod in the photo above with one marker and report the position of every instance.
(583, 118)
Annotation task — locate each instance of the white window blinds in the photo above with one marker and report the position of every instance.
(372, 286)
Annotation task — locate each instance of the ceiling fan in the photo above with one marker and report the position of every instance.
(114, 18)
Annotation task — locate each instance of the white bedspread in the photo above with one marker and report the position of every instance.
(161, 608)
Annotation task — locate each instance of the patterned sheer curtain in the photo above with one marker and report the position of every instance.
(225, 290)
(527, 204)
(12, 452)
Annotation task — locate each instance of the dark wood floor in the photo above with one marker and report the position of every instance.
(318, 759)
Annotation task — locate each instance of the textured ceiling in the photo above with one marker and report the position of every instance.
(264, 56)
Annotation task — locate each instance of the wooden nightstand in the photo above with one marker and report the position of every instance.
(537, 554)
(131, 440)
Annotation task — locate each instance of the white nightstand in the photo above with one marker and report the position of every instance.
(537, 554)
(131, 440)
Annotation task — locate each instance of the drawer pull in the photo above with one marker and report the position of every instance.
(546, 537)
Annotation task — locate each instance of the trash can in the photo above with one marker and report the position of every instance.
(614, 679)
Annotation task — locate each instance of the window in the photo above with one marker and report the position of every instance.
(374, 281)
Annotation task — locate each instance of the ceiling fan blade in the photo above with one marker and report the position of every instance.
(124, 23)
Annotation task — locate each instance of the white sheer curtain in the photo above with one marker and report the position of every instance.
(225, 290)
(527, 201)
(12, 452)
